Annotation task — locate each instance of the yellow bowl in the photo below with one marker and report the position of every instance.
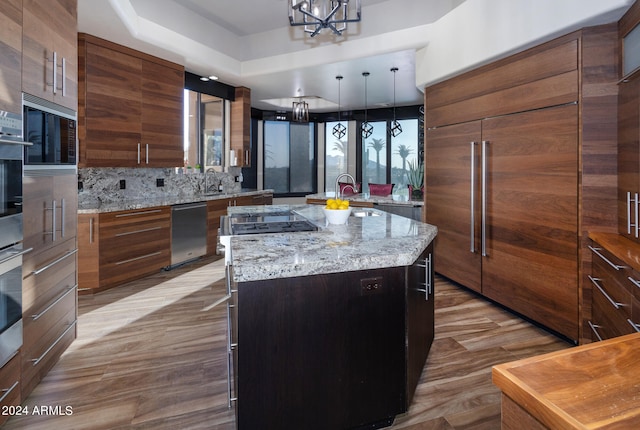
(337, 216)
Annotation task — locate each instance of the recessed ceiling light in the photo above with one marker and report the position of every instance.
(213, 77)
(204, 78)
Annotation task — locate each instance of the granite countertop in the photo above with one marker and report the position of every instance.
(391, 199)
(371, 242)
(98, 206)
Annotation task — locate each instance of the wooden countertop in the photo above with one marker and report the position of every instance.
(594, 386)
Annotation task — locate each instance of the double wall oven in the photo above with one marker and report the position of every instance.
(11, 249)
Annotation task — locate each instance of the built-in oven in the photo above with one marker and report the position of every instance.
(11, 250)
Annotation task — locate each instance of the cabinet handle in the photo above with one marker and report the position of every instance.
(138, 213)
(15, 255)
(91, 230)
(614, 303)
(48, 308)
(484, 198)
(594, 329)
(62, 215)
(633, 281)
(633, 210)
(147, 153)
(473, 197)
(138, 152)
(63, 67)
(8, 391)
(127, 233)
(54, 69)
(36, 361)
(634, 325)
(596, 251)
(230, 345)
(153, 254)
(53, 209)
(53, 263)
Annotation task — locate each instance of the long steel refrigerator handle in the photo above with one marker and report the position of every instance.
(473, 196)
(484, 198)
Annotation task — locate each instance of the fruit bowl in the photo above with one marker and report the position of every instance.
(337, 216)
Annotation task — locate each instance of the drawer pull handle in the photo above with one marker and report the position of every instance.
(8, 391)
(634, 281)
(614, 303)
(595, 328)
(138, 258)
(48, 308)
(138, 213)
(36, 361)
(634, 325)
(53, 263)
(138, 231)
(595, 251)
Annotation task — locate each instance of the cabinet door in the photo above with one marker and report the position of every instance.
(215, 210)
(162, 111)
(531, 262)
(241, 126)
(11, 56)
(88, 252)
(50, 31)
(452, 166)
(111, 131)
(628, 157)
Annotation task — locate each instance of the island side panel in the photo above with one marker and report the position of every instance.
(324, 351)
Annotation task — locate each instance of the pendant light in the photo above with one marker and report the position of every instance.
(300, 111)
(366, 128)
(394, 128)
(339, 130)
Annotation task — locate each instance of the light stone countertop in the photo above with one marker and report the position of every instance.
(98, 206)
(370, 242)
(391, 199)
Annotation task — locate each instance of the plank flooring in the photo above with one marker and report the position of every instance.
(151, 355)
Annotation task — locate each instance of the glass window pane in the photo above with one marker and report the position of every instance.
(374, 156)
(276, 156)
(336, 154)
(212, 123)
(301, 162)
(404, 148)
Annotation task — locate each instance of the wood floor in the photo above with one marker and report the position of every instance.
(151, 355)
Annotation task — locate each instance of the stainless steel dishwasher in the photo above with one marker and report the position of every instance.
(188, 232)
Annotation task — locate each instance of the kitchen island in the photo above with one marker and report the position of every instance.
(392, 203)
(330, 328)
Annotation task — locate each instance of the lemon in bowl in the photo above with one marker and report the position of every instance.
(337, 211)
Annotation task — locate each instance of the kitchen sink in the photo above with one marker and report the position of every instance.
(361, 213)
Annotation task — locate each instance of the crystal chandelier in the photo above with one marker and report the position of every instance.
(366, 128)
(394, 128)
(339, 130)
(300, 111)
(316, 15)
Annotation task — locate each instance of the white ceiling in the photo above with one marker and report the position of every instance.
(250, 43)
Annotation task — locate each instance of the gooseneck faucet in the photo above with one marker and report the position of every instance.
(354, 186)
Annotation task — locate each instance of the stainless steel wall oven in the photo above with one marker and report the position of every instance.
(11, 250)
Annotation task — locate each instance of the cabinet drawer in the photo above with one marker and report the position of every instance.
(10, 385)
(40, 325)
(609, 322)
(613, 282)
(36, 365)
(124, 270)
(47, 275)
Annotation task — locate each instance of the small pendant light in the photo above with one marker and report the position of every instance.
(394, 128)
(339, 130)
(366, 128)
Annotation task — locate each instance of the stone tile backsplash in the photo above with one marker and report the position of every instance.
(104, 184)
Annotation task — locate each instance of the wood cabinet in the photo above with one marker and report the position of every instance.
(615, 276)
(49, 283)
(10, 385)
(122, 246)
(325, 341)
(11, 56)
(519, 165)
(241, 126)
(50, 51)
(130, 107)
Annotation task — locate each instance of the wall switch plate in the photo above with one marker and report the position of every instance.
(160, 182)
(123, 184)
(237, 178)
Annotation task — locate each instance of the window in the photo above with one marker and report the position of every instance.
(289, 158)
(203, 131)
(336, 154)
(385, 159)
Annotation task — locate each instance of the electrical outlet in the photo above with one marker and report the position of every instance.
(160, 182)
(80, 186)
(123, 184)
(237, 178)
(371, 285)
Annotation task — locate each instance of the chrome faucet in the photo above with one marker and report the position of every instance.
(354, 186)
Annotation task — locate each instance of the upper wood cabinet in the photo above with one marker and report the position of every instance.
(129, 107)
(50, 51)
(11, 56)
(241, 126)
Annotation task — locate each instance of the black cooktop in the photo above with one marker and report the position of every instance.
(269, 222)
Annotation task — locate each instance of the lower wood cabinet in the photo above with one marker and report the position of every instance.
(331, 351)
(615, 286)
(122, 246)
(10, 378)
